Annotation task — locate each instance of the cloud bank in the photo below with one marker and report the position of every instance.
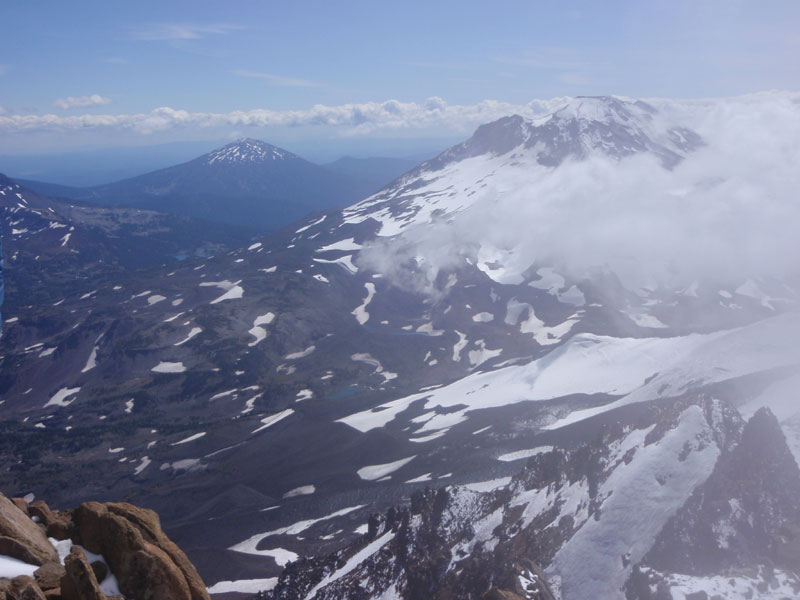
(351, 119)
(729, 212)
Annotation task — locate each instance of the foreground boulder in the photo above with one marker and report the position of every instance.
(145, 562)
(21, 538)
(79, 581)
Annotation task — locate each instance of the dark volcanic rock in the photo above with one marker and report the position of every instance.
(746, 513)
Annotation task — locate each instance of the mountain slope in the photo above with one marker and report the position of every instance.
(576, 520)
(374, 171)
(268, 399)
(51, 245)
(247, 182)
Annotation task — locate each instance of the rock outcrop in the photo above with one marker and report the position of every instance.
(21, 538)
(144, 562)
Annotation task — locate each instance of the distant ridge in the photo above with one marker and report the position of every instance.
(247, 182)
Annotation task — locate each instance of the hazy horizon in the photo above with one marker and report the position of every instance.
(72, 77)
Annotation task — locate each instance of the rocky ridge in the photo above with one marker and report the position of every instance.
(541, 535)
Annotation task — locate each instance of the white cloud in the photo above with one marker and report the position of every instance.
(729, 211)
(81, 101)
(277, 79)
(347, 119)
(182, 31)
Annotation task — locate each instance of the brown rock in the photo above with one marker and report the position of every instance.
(24, 588)
(19, 550)
(143, 569)
(20, 504)
(49, 576)
(15, 524)
(53, 594)
(62, 527)
(40, 510)
(149, 525)
(79, 582)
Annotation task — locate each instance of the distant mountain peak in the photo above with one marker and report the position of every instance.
(586, 125)
(605, 109)
(247, 150)
(616, 127)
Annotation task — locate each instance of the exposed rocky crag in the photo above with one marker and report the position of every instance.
(94, 552)
(592, 520)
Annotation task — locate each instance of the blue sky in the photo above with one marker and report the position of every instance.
(123, 59)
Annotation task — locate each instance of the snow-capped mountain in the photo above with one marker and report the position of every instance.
(247, 182)
(248, 150)
(515, 153)
(269, 400)
(614, 126)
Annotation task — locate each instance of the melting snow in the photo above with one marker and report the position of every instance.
(191, 438)
(195, 331)
(233, 291)
(352, 563)
(169, 367)
(272, 419)
(258, 331)
(243, 586)
(301, 354)
(11, 568)
(344, 245)
(60, 397)
(607, 365)
(373, 472)
(374, 362)
(360, 312)
(487, 486)
(647, 491)
(310, 225)
(520, 454)
(142, 465)
(303, 490)
(91, 362)
(346, 262)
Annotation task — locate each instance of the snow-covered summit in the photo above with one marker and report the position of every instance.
(247, 150)
(516, 153)
(613, 126)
